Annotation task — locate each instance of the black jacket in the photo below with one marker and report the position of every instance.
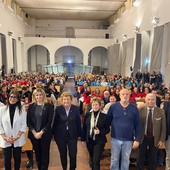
(61, 121)
(102, 125)
(47, 116)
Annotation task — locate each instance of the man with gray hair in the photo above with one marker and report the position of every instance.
(124, 119)
(153, 132)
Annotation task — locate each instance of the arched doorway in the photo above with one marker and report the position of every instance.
(69, 56)
(98, 59)
(38, 57)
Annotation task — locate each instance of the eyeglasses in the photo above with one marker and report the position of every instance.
(13, 97)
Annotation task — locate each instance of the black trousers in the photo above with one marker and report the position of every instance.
(7, 153)
(67, 144)
(42, 150)
(148, 143)
(95, 150)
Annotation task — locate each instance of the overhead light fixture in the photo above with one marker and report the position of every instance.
(10, 33)
(136, 3)
(19, 38)
(116, 40)
(137, 30)
(155, 21)
(124, 36)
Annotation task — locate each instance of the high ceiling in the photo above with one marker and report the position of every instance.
(92, 10)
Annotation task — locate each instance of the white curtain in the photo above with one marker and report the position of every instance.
(129, 56)
(123, 54)
(165, 67)
(114, 59)
(110, 58)
(137, 56)
(157, 49)
(145, 50)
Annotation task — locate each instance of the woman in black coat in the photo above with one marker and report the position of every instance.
(94, 133)
(39, 119)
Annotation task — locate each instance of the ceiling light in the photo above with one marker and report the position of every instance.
(124, 36)
(19, 38)
(136, 3)
(137, 30)
(116, 40)
(10, 33)
(155, 21)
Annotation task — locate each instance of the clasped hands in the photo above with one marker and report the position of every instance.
(37, 135)
(11, 139)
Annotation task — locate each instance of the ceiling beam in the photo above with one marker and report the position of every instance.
(66, 9)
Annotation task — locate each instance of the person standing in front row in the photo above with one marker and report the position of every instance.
(125, 131)
(95, 128)
(12, 130)
(39, 119)
(67, 129)
(153, 132)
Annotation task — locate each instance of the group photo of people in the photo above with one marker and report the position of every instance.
(84, 85)
(129, 119)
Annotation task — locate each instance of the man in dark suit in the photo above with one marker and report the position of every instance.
(67, 129)
(153, 132)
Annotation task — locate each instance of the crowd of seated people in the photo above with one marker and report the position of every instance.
(140, 85)
(26, 82)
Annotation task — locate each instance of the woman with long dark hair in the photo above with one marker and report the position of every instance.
(12, 130)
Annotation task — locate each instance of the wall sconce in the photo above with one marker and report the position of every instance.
(10, 33)
(155, 21)
(137, 30)
(116, 40)
(124, 36)
(19, 38)
(136, 3)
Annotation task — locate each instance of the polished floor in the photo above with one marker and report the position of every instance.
(82, 156)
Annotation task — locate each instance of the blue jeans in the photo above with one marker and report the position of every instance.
(123, 149)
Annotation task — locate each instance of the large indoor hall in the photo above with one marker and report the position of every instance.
(112, 56)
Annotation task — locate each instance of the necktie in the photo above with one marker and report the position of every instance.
(150, 124)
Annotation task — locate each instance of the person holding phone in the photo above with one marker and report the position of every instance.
(94, 133)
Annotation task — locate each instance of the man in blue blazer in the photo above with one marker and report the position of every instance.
(67, 129)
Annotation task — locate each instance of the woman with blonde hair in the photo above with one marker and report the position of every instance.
(39, 119)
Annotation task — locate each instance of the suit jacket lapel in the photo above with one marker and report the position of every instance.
(145, 116)
(16, 116)
(64, 111)
(70, 111)
(43, 110)
(154, 115)
(8, 116)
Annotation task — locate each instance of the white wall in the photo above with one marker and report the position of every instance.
(10, 22)
(90, 33)
(57, 28)
(141, 16)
